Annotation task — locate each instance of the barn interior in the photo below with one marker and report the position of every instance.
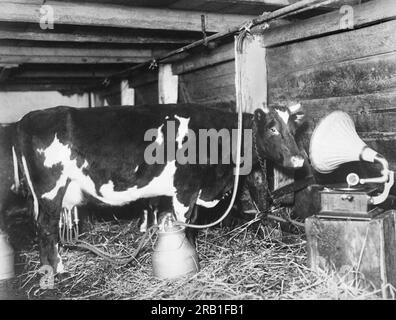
(326, 55)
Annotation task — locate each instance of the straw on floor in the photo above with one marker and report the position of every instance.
(252, 261)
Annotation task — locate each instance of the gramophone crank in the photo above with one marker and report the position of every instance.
(334, 142)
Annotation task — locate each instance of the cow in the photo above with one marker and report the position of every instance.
(72, 156)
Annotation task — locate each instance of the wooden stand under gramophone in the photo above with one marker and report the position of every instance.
(350, 230)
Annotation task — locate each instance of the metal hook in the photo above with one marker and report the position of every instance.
(153, 64)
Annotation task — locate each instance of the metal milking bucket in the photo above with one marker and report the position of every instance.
(6, 258)
(173, 255)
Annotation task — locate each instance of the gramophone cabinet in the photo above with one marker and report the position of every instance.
(369, 246)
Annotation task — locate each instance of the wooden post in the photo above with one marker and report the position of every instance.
(127, 93)
(167, 84)
(251, 89)
(251, 69)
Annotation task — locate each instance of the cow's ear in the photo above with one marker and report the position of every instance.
(297, 114)
(265, 108)
(259, 115)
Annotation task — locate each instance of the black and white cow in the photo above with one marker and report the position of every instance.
(73, 156)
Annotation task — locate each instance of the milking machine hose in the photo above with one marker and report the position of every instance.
(240, 39)
(115, 259)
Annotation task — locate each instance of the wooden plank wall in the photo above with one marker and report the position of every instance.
(145, 84)
(354, 71)
(207, 76)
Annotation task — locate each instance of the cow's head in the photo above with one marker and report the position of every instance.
(276, 127)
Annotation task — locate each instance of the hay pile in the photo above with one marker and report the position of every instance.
(249, 262)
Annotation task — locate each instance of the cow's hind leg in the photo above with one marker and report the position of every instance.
(48, 227)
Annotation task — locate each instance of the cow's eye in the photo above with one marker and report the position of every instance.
(274, 131)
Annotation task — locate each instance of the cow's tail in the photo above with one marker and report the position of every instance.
(17, 181)
(30, 184)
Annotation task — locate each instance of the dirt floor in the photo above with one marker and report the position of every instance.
(250, 261)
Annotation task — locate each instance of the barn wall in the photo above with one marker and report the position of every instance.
(212, 84)
(13, 105)
(354, 71)
(147, 93)
(145, 83)
(208, 75)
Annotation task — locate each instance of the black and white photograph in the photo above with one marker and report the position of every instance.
(197, 156)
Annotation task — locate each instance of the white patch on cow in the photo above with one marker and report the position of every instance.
(29, 181)
(206, 204)
(143, 226)
(58, 153)
(73, 196)
(59, 267)
(55, 153)
(161, 185)
(284, 115)
(295, 107)
(182, 131)
(160, 135)
(180, 209)
(50, 195)
(299, 117)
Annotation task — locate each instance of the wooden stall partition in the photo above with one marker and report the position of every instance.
(145, 83)
(251, 68)
(127, 94)
(167, 84)
(109, 96)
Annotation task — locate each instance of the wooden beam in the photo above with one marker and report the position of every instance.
(96, 37)
(6, 71)
(280, 3)
(107, 15)
(145, 77)
(62, 73)
(365, 14)
(204, 59)
(11, 54)
(65, 87)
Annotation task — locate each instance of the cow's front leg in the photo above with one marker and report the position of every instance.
(184, 205)
(48, 226)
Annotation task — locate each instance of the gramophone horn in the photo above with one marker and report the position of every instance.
(335, 141)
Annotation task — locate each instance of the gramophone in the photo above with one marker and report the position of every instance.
(333, 143)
